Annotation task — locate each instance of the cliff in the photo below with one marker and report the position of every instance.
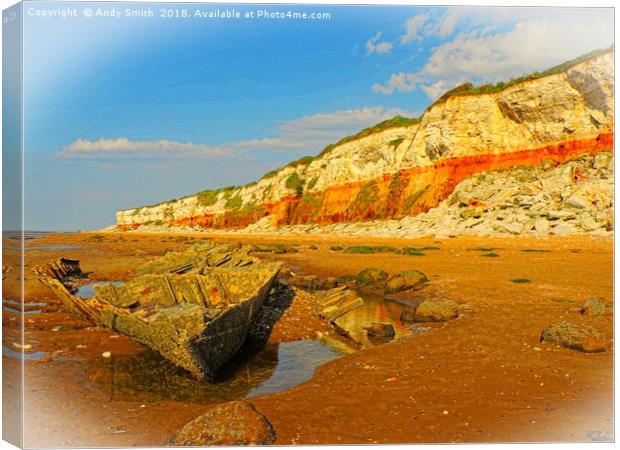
(402, 168)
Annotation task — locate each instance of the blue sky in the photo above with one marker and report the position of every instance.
(130, 111)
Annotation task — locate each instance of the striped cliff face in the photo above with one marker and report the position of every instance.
(405, 170)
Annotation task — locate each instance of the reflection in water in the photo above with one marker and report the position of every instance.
(52, 247)
(27, 356)
(15, 307)
(147, 377)
(87, 291)
(376, 309)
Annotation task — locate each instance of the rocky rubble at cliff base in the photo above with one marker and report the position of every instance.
(553, 199)
(571, 198)
(575, 197)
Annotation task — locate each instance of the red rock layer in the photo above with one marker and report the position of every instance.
(407, 192)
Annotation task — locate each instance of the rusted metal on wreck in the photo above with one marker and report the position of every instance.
(193, 307)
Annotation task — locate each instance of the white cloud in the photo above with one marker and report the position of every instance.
(83, 148)
(374, 46)
(309, 133)
(402, 81)
(530, 45)
(316, 131)
(414, 28)
(438, 88)
(447, 22)
(502, 43)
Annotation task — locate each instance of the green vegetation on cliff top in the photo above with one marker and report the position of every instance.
(470, 89)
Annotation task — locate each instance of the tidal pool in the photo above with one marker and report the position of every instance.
(28, 356)
(147, 377)
(87, 291)
(15, 307)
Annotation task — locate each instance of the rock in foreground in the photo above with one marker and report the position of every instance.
(407, 316)
(576, 337)
(371, 277)
(404, 281)
(593, 307)
(380, 330)
(436, 310)
(233, 423)
(336, 302)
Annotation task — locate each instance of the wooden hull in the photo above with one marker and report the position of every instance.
(197, 320)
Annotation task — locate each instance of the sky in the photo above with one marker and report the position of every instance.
(126, 111)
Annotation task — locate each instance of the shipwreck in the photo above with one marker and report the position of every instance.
(193, 307)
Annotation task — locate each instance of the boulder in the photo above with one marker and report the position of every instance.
(436, 310)
(593, 307)
(404, 281)
(576, 337)
(560, 215)
(336, 302)
(508, 227)
(407, 316)
(472, 212)
(602, 160)
(313, 282)
(380, 330)
(330, 283)
(577, 201)
(233, 423)
(541, 225)
(371, 277)
(308, 282)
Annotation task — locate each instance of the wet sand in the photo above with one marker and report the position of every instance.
(481, 378)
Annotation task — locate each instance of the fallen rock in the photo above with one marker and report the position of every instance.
(313, 282)
(404, 281)
(508, 227)
(330, 283)
(541, 225)
(336, 302)
(576, 337)
(408, 316)
(601, 160)
(560, 215)
(472, 212)
(232, 423)
(577, 201)
(380, 330)
(371, 277)
(308, 282)
(593, 307)
(436, 310)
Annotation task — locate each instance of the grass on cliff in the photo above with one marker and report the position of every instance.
(470, 89)
(210, 196)
(295, 183)
(394, 122)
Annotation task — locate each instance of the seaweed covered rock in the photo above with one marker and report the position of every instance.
(408, 316)
(313, 282)
(436, 310)
(233, 423)
(576, 337)
(405, 281)
(380, 330)
(371, 277)
(593, 307)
